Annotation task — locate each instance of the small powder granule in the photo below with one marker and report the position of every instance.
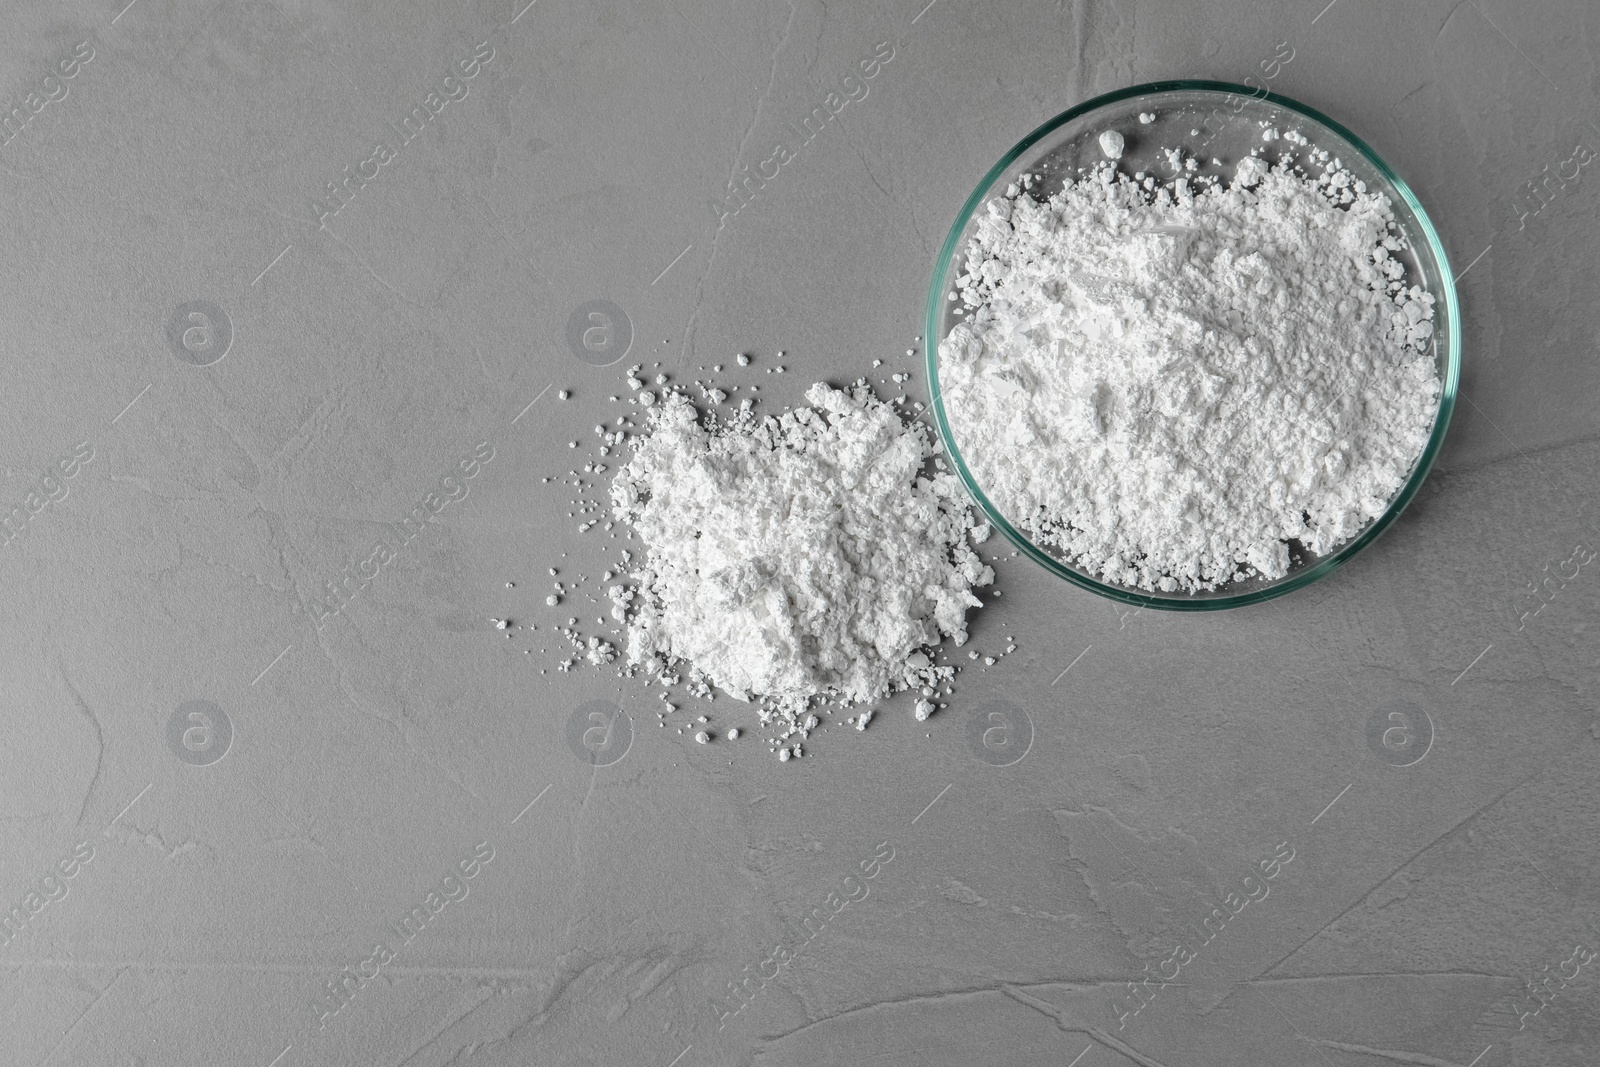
(1167, 386)
(798, 557)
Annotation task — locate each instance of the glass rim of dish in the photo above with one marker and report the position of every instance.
(1445, 298)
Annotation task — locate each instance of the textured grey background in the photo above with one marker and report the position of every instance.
(369, 756)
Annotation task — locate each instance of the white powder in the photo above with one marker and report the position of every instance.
(794, 558)
(1168, 385)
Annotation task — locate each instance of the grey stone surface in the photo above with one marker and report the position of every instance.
(249, 802)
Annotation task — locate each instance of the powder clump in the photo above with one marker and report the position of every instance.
(793, 558)
(1167, 386)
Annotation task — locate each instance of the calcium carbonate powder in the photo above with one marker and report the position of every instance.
(1166, 385)
(808, 556)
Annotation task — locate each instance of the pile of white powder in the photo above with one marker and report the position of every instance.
(1166, 384)
(790, 559)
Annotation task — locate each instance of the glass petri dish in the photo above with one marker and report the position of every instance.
(1227, 118)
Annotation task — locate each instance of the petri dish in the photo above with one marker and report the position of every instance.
(1223, 121)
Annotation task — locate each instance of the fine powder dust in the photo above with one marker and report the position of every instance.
(1166, 385)
(798, 557)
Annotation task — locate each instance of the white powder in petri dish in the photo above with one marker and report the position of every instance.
(1168, 385)
(798, 558)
